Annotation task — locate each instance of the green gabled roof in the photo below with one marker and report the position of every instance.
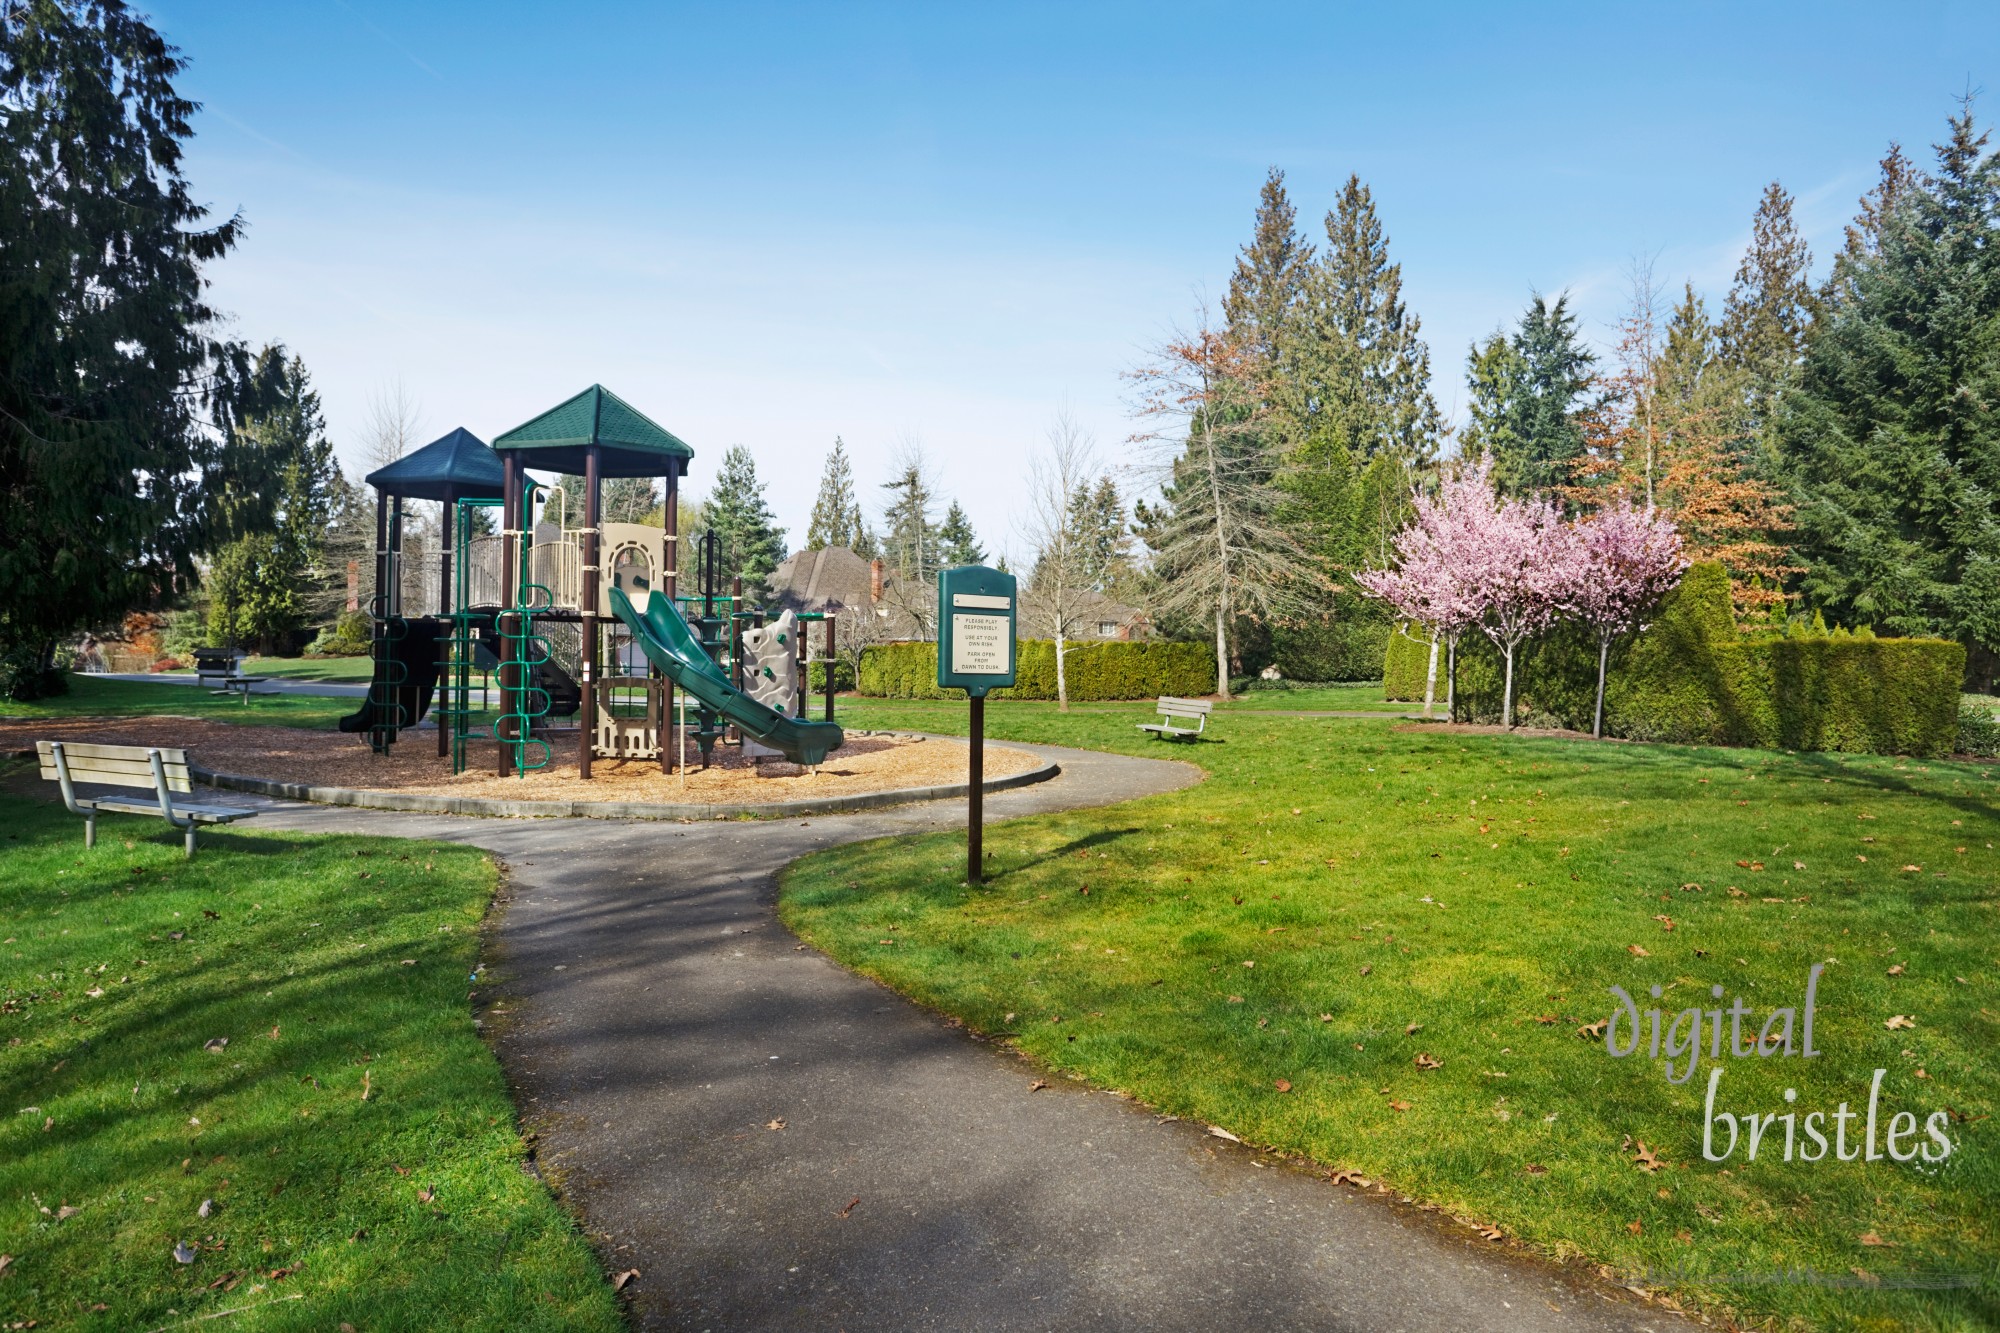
(630, 444)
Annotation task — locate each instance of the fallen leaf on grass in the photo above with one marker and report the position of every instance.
(1395, 1105)
(67, 1211)
(852, 1204)
(1236, 999)
(1350, 1178)
(1899, 1021)
(1592, 1031)
(1646, 1159)
(1634, 1226)
(185, 1253)
(1366, 969)
(280, 1274)
(5, 1259)
(426, 1194)
(1283, 1085)
(214, 1045)
(1735, 892)
(1638, 951)
(1221, 1133)
(227, 1281)
(1490, 1232)
(624, 1279)
(207, 1207)
(1896, 971)
(1412, 1030)
(399, 1170)
(1870, 1238)
(1535, 1169)
(1425, 1060)
(1666, 922)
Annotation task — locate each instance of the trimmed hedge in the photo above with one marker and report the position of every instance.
(1330, 650)
(1407, 664)
(1093, 671)
(1693, 677)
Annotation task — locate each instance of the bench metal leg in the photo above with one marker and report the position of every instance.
(190, 842)
(90, 829)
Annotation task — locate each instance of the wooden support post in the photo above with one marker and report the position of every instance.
(829, 666)
(587, 598)
(671, 518)
(510, 592)
(446, 524)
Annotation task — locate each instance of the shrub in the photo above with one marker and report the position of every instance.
(843, 676)
(349, 636)
(1094, 671)
(1330, 650)
(1978, 730)
(1406, 665)
(1692, 677)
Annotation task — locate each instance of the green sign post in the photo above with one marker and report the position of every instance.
(976, 645)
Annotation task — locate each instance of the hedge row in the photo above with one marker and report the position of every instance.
(1330, 650)
(1406, 666)
(1092, 671)
(1693, 677)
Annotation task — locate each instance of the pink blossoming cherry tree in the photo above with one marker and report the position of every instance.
(1433, 582)
(1627, 559)
(1526, 561)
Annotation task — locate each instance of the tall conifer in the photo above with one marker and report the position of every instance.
(1769, 311)
(836, 515)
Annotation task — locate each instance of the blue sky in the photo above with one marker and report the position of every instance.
(772, 224)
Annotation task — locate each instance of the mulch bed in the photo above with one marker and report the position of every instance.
(329, 759)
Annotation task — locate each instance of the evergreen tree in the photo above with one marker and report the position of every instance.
(107, 353)
(1363, 368)
(910, 538)
(750, 544)
(836, 515)
(958, 544)
(1890, 439)
(1103, 539)
(1864, 234)
(1769, 312)
(1262, 306)
(1529, 400)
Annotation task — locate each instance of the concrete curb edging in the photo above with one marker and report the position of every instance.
(471, 805)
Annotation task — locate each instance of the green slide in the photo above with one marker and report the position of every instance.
(672, 647)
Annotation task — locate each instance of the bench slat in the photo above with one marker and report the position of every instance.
(85, 777)
(204, 814)
(85, 750)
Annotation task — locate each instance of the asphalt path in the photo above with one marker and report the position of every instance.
(657, 1023)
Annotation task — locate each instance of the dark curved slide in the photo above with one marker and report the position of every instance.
(404, 705)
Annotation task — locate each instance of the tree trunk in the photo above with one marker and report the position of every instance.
(1221, 655)
(1451, 682)
(1062, 682)
(1603, 660)
(1431, 678)
(1507, 693)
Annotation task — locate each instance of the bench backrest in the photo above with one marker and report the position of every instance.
(114, 765)
(1171, 707)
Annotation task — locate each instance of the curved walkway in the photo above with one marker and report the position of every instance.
(655, 1019)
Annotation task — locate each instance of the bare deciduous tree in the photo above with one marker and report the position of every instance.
(1219, 550)
(1059, 579)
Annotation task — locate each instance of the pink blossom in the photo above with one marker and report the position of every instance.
(1630, 558)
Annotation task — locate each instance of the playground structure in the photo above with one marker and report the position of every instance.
(524, 610)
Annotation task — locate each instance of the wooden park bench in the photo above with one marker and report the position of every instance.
(1174, 716)
(164, 771)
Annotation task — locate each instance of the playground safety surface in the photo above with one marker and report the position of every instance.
(864, 764)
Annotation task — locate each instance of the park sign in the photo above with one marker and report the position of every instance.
(975, 619)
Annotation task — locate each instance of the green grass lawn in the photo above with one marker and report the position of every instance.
(342, 670)
(1320, 698)
(1283, 949)
(90, 696)
(355, 1134)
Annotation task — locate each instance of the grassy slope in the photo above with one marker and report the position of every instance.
(1308, 853)
(113, 1107)
(1335, 698)
(91, 697)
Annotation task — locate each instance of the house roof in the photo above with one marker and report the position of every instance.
(630, 444)
(458, 466)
